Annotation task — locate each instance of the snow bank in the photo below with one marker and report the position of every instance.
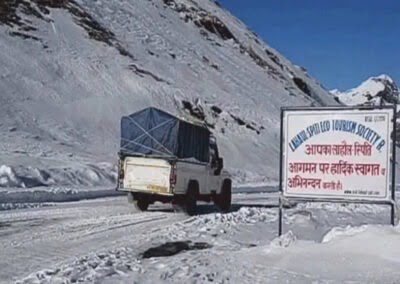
(80, 175)
(17, 198)
(370, 254)
(22, 186)
(338, 232)
(284, 241)
(88, 269)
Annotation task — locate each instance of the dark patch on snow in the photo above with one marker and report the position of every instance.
(216, 110)
(202, 19)
(238, 120)
(214, 25)
(203, 33)
(309, 93)
(210, 125)
(302, 86)
(173, 248)
(141, 72)
(212, 65)
(151, 53)
(195, 111)
(24, 35)
(249, 125)
(274, 58)
(5, 224)
(215, 66)
(257, 58)
(262, 62)
(252, 127)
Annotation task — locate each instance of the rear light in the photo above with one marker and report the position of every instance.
(173, 177)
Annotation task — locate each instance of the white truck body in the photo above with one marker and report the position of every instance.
(170, 159)
(154, 176)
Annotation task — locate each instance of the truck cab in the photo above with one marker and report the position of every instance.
(167, 159)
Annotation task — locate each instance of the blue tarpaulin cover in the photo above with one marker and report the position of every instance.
(153, 132)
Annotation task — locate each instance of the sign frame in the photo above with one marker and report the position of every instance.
(391, 151)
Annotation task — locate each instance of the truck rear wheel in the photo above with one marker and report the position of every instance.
(224, 199)
(141, 203)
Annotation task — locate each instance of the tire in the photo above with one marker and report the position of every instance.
(190, 199)
(224, 200)
(141, 204)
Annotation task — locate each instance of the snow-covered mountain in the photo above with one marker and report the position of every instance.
(69, 69)
(378, 90)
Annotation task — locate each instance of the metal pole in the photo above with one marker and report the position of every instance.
(392, 218)
(281, 174)
(280, 217)
(392, 214)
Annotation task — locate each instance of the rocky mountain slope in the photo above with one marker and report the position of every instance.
(69, 69)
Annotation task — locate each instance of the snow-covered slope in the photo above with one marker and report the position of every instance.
(378, 90)
(69, 69)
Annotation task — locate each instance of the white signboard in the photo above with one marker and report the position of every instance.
(337, 154)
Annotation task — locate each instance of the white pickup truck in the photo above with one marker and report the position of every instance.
(167, 159)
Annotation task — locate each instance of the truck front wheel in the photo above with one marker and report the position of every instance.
(224, 199)
(190, 201)
(187, 202)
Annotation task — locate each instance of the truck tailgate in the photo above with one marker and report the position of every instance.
(147, 175)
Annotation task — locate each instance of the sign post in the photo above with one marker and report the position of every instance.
(338, 154)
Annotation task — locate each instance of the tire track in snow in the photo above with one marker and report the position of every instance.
(33, 239)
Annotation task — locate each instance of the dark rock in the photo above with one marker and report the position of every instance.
(142, 72)
(238, 120)
(302, 86)
(274, 58)
(214, 25)
(216, 109)
(194, 110)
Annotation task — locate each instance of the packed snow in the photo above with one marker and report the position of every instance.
(104, 241)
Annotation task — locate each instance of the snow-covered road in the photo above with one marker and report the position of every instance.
(38, 238)
(102, 240)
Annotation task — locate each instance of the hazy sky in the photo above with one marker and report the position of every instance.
(341, 43)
